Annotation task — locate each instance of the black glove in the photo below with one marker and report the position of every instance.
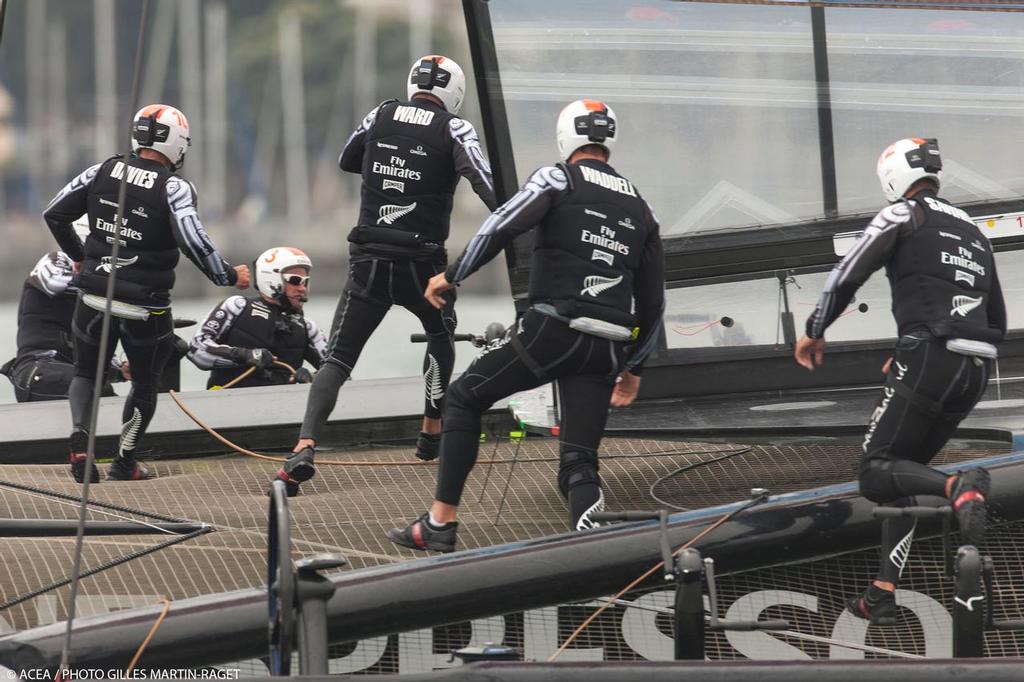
(303, 376)
(256, 357)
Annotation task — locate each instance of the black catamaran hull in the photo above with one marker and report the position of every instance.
(509, 578)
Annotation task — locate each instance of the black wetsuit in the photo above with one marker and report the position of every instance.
(160, 220)
(241, 322)
(597, 255)
(411, 156)
(944, 286)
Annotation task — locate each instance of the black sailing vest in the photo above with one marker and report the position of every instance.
(262, 325)
(941, 274)
(44, 323)
(590, 244)
(409, 176)
(148, 252)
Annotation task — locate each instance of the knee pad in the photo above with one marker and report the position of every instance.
(577, 468)
(47, 380)
(876, 481)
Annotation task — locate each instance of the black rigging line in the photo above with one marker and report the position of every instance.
(90, 457)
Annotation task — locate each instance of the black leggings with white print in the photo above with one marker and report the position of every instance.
(374, 285)
(583, 368)
(928, 391)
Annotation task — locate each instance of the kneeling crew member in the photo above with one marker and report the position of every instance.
(597, 272)
(44, 365)
(950, 312)
(246, 332)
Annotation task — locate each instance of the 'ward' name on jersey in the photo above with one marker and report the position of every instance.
(420, 117)
(608, 181)
(139, 177)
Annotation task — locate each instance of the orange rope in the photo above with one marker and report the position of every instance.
(152, 631)
(279, 363)
(630, 586)
(273, 458)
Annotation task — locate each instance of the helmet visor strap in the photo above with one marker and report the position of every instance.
(596, 125)
(429, 75)
(926, 157)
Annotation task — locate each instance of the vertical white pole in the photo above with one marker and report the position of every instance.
(365, 85)
(190, 76)
(35, 97)
(159, 56)
(59, 155)
(215, 130)
(107, 125)
(421, 35)
(292, 104)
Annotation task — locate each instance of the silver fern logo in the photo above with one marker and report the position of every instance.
(130, 432)
(107, 263)
(964, 304)
(595, 284)
(432, 381)
(899, 554)
(585, 522)
(389, 213)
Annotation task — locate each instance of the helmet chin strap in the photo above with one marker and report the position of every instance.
(285, 302)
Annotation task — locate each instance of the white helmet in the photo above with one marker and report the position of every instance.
(583, 122)
(441, 77)
(271, 263)
(906, 161)
(164, 129)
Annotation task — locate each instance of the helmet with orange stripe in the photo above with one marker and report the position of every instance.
(271, 272)
(164, 129)
(906, 161)
(584, 122)
(441, 77)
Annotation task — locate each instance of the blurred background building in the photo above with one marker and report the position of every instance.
(272, 89)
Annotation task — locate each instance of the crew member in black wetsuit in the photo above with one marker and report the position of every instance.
(950, 313)
(160, 219)
(244, 332)
(597, 273)
(411, 155)
(45, 365)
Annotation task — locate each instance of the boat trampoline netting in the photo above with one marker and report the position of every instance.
(347, 509)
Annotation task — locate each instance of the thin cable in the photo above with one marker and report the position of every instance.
(98, 503)
(102, 567)
(152, 631)
(3, 12)
(648, 573)
(490, 467)
(508, 481)
(99, 511)
(90, 452)
(689, 467)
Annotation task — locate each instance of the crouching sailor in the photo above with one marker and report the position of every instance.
(950, 313)
(243, 332)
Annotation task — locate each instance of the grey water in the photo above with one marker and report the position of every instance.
(389, 352)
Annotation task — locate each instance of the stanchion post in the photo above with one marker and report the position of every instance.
(689, 607)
